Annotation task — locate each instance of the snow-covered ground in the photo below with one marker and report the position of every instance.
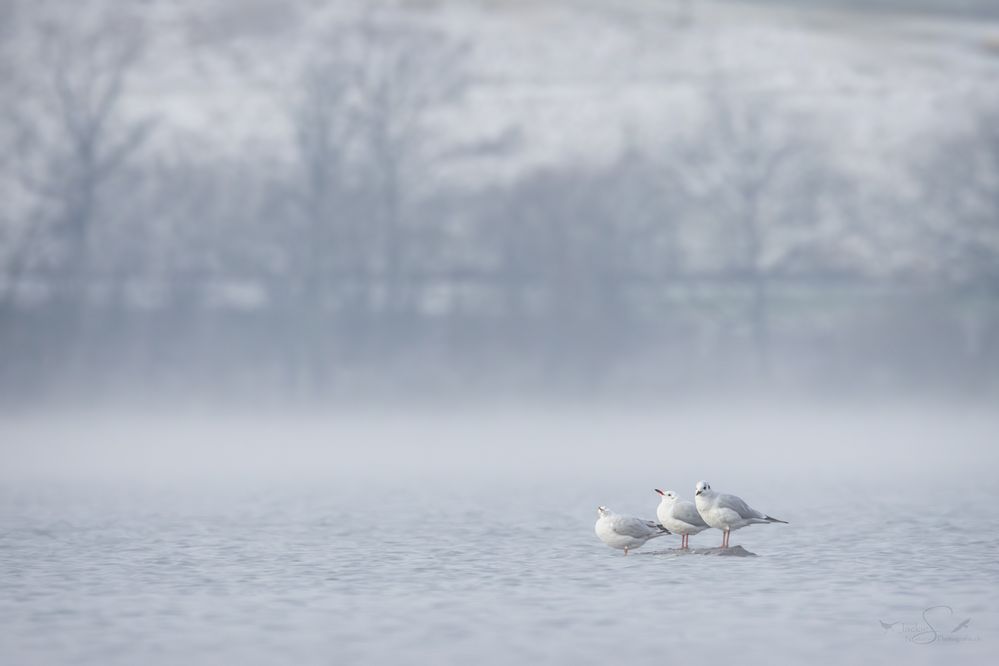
(584, 80)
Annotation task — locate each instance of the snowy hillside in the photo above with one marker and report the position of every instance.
(581, 79)
(591, 188)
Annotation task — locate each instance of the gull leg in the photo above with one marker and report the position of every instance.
(625, 550)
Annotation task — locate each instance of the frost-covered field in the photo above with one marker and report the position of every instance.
(421, 538)
(584, 80)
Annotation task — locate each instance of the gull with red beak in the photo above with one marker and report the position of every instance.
(625, 532)
(679, 516)
(727, 512)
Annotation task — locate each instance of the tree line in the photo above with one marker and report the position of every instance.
(340, 259)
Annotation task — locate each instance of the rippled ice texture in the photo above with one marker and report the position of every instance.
(383, 540)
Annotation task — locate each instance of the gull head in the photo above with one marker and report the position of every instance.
(668, 495)
(702, 487)
(602, 511)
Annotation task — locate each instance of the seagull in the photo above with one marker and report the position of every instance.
(679, 516)
(625, 532)
(726, 512)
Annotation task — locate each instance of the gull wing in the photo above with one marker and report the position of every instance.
(634, 527)
(687, 512)
(738, 505)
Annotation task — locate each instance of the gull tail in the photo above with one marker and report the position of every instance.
(662, 530)
(771, 519)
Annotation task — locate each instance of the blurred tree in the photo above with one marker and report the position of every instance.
(961, 190)
(753, 171)
(571, 245)
(19, 213)
(958, 223)
(402, 77)
(322, 250)
(366, 131)
(64, 169)
(73, 135)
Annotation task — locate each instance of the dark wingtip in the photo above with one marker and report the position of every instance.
(776, 520)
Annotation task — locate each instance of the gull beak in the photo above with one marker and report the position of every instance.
(659, 491)
(698, 493)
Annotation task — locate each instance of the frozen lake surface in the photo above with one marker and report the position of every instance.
(453, 562)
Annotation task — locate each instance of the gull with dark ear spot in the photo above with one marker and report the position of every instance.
(679, 516)
(727, 512)
(625, 532)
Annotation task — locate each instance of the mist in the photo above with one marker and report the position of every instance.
(326, 326)
(321, 204)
